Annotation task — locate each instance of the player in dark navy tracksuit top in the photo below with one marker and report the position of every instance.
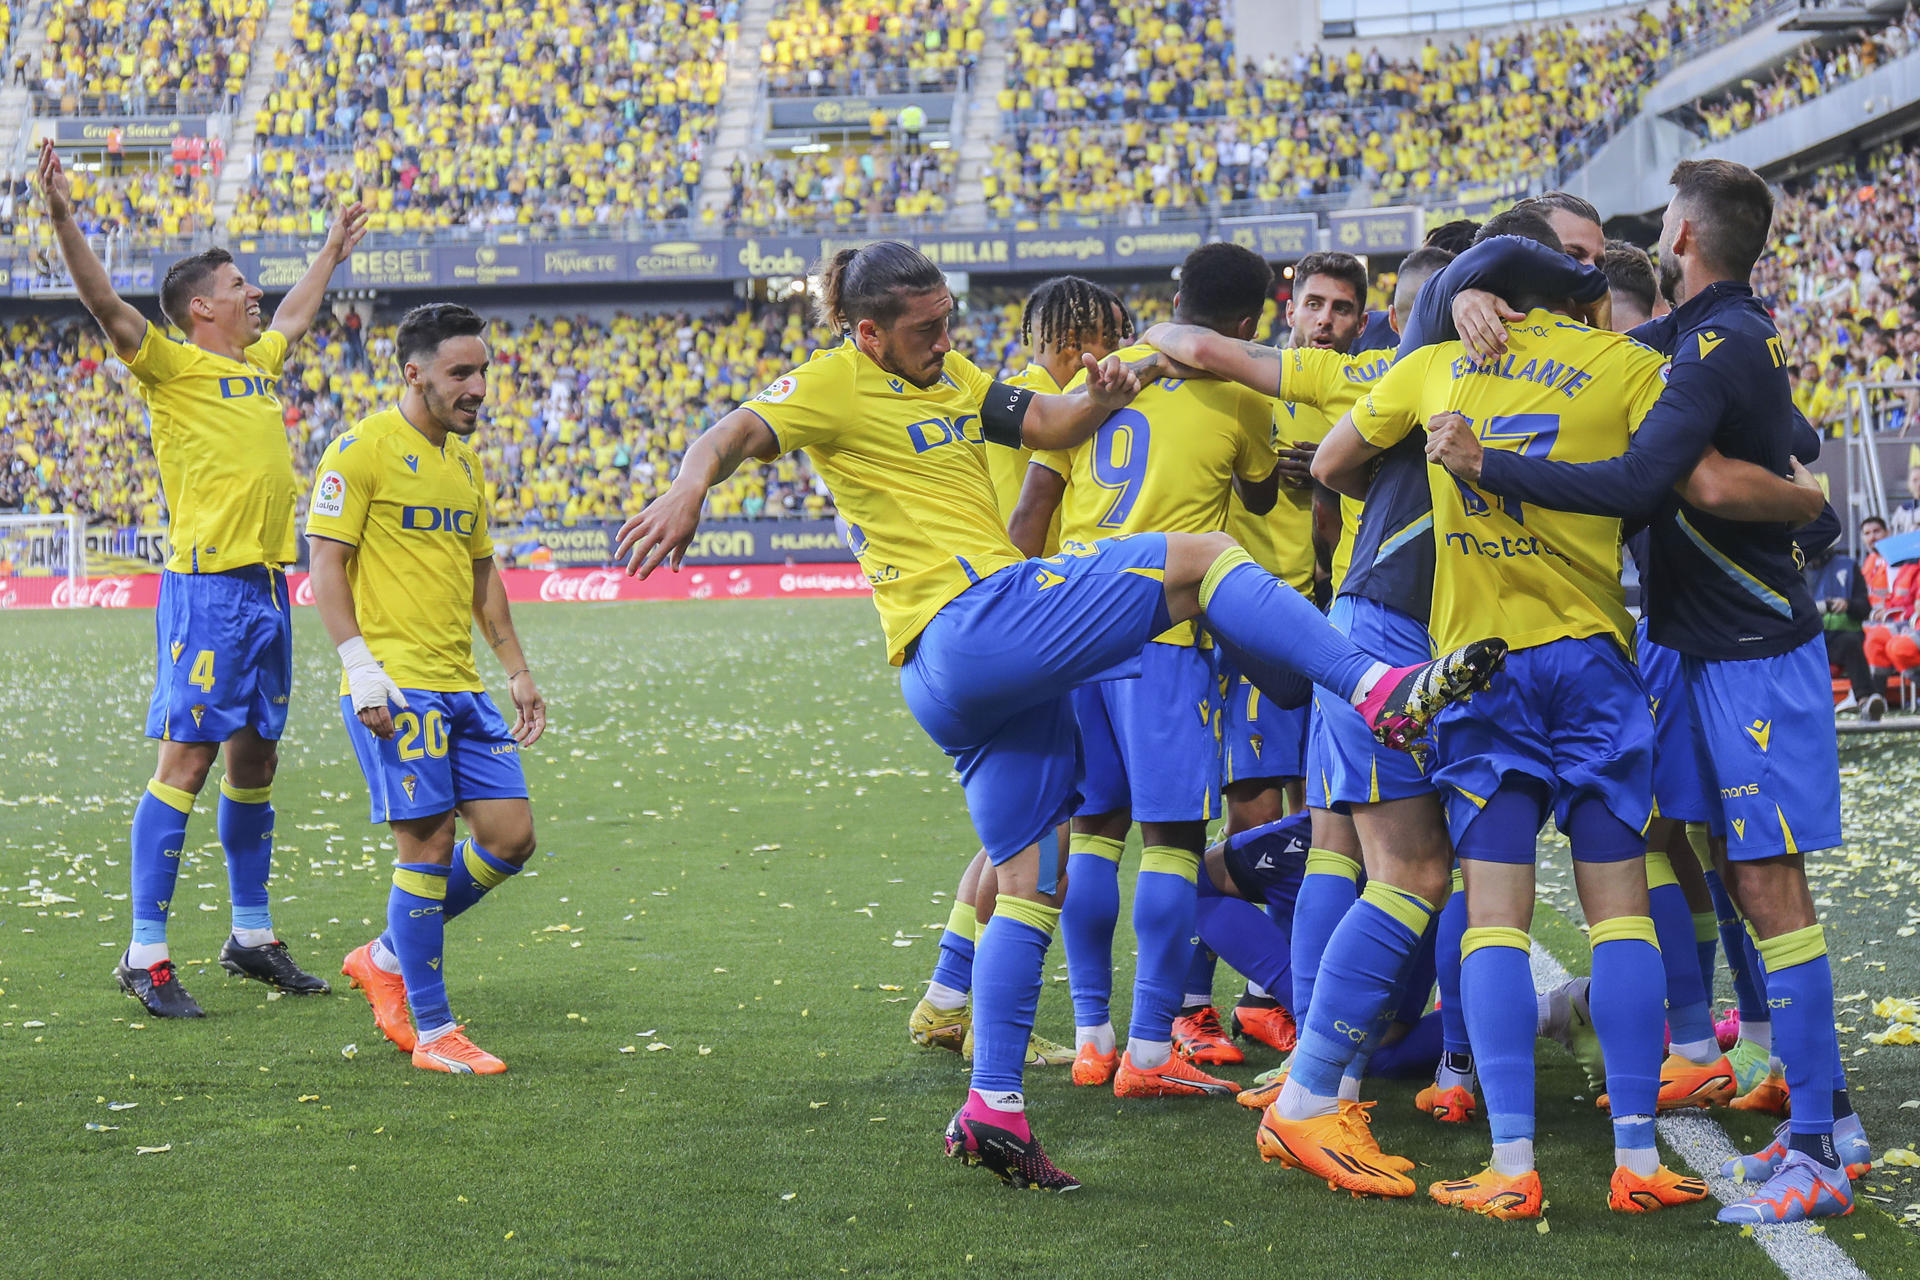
(1730, 597)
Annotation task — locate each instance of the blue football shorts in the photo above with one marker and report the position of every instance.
(1763, 736)
(224, 658)
(1150, 743)
(1572, 714)
(1678, 792)
(1258, 738)
(989, 677)
(446, 749)
(1345, 763)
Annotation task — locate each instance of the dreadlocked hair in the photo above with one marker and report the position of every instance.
(1070, 311)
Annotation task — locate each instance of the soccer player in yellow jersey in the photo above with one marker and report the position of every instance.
(225, 659)
(1172, 461)
(1567, 731)
(989, 642)
(1065, 318)
(402, 568)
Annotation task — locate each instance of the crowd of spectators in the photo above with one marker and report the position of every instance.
(1806, 75)
(530, 113)
(783, 192)
(820, 47)
(142, 57)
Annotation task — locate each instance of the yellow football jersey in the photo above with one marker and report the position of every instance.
(418, 516)
(1165, 463)
(1008, 467)
(225, 465)
(1317, 386)
(908, 471)
(1562, 391)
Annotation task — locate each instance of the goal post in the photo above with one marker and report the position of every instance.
(43, 560)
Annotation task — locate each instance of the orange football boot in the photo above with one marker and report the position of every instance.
(1197, 1037)
(1768, 1097)
(1090, 1066)
(386, 992)
(1493, 1195)
(1455, 1105)
(454, 1053)
(1631, 1193)
(1272, 1027)
(1174, 1078)
(1684, 1083)
(1360, 1116)
(1265, 1091)
(1337, 1148)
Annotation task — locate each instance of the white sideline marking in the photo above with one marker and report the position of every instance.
(1704, 1146)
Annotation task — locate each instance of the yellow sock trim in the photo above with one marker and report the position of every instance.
(1325, 862)
(964, 920)
(1099, 846)
(246, 795)
(172, 797)
(485, 876)
(1790, 949)
(1459, 880)
(1659, 870)
(1230, 559)
(1409, 909)
(1042, 917)
(1171, 861)
(1706, 926)
(1698, 838)
(1496, 935)
(420, 884)
(1624, 929)
(1753, 934)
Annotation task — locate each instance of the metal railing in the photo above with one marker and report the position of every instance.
(1865, 437)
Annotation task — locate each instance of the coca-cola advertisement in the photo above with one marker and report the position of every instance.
(524, 586)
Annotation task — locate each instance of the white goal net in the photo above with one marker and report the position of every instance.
(43, 561)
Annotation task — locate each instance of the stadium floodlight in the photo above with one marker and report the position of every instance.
(44, 556)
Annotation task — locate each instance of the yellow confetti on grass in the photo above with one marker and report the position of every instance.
(153, 1151)
(1901, 1157)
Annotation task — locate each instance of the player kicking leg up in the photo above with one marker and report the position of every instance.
(402, 570)
(225, 659)
(893, 420)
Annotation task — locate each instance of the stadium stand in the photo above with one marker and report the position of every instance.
(841, 188)
(531, 114)
(870, 46)
(1805, 76)
(159, 57)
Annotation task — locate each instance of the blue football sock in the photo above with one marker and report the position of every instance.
(1800, 989)
(1706, 945)
(159, 829)
(1688, 1017)
(1327, 892)
(1008, 965)
(1200, 973)
(1087, 921)
(1251, 944)
(1414, 1056)
(416, 931)
(1748, 982)
(1452, 926)
(1416, 989)
(1366, 960)
(245, 824)
(1627, 999)
(1496, 987)
(1163, 902)
(1273, 634)
(473, 874)
(954, 966)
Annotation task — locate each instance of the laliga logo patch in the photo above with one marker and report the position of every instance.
(330, 496)
(779, 389)
(407, 783)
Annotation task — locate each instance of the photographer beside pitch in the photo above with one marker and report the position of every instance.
(225, 635)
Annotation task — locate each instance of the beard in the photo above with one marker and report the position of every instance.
(1670, 279)
(449, 415)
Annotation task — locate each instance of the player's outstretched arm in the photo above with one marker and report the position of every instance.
(1251, 364)
(666, 527)
(368, 683)
(1344, 459)
(1040, 495)
(1736, 490)
(294, 316)
(122, 322)
(496, 627)
(1063, 421)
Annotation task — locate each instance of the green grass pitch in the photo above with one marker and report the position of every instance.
(701, 987)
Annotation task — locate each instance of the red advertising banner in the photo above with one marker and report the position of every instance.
(524, 586)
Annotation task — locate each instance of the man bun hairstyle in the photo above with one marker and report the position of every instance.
(1343, 267)
(1455, 237)
(1731, 209)
(424, 328)
(871, 283)
(1223, 283)
(184, 281)
(1071, 311)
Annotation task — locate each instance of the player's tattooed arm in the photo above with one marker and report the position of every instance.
(665, 529)
(491, 611)
(1252, 364)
